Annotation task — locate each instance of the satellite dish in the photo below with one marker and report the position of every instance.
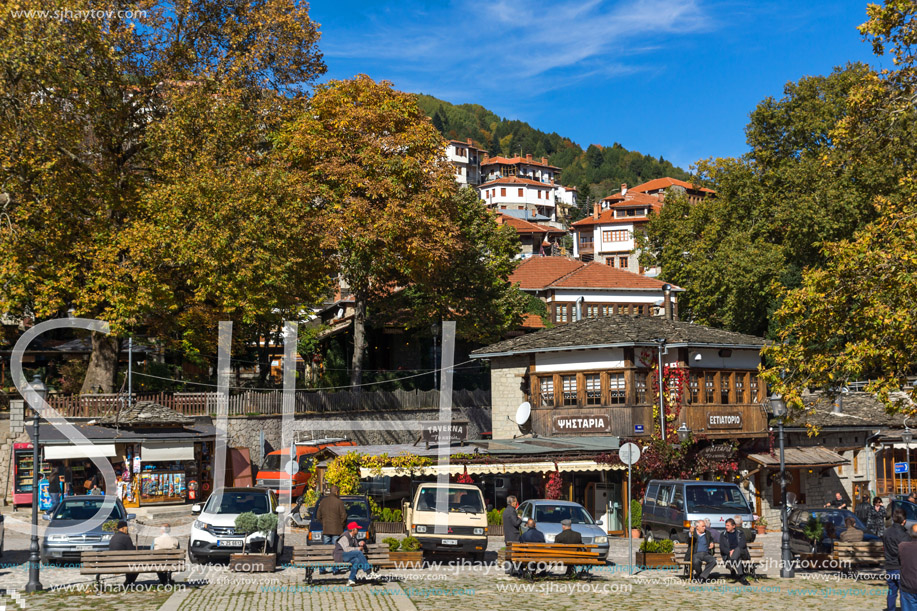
(524, 417)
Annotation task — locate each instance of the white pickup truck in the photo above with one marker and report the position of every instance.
(464, 527)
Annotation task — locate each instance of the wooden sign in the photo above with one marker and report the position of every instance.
(729, 420)
(590, 423)
(436, 433)
(718, 452)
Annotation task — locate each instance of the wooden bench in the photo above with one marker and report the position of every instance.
(312, 557)
(526, 557)
(755, 553)
(132, 561)
(849, 555)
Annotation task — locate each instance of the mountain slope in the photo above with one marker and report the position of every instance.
(596, 172)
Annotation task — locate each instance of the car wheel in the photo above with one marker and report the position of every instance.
(194, 559)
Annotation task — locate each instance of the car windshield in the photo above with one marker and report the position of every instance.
(237, 502)
(553, 514)
(81, 509)
(838, 518)
(273, 462)
(716, 499)
(463, 500)
(357, 509)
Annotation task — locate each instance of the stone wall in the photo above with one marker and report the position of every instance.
(507, 384)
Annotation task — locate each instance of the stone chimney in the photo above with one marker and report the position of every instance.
(667, 301)
(595, 210)
(528, 157)
(469, 140)
(623, 188)
(544, 160)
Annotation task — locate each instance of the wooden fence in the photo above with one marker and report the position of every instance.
(270, 402)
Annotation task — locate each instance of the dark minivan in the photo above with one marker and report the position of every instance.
(670, 506)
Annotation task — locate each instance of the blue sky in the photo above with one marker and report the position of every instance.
(675, 78)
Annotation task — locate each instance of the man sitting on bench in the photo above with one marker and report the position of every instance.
(349, 549)
(121, 541)
(734, 550)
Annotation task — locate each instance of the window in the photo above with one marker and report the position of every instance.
(622, 262)
(539, 194)
(724, 388)
(608, 310)
(569, 386)
(616, 391)
(593, 389)
(592, 311)
(546, 387)
(709, 387)
(753, 387)
(856, 462)
(740, 387)
(502, 191)
(615, 235)
(640, 387)
(560, 313)
(585, 239)
(694, 388)
(520, 192)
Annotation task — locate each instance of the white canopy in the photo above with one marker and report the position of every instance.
(98, 450)
(546, 466)
(166, 451)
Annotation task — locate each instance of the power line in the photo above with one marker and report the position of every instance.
(417, 375)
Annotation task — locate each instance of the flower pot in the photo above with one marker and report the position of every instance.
(389, 527)
(495, 530)
(761, 529)
(653, 560)
(635, 533)
(406, 560)
(252, 563)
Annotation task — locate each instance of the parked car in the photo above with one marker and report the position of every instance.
(61, 544)
(357, 511)
(910, 512)
(671, 506)
(548, 514)
(213, 533)
(466, 519)
(273, 476)
(799, 517)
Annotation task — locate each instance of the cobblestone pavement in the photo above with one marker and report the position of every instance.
(446, 587)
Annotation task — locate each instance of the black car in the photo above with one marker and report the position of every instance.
(357, 511)
(831, 519)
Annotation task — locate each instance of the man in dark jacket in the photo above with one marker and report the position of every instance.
(907, 553)
(121, 541)
(511, 521)
(699, 545)
(894, 535)
(734, 550)
(532, 534)
(332, 513)
(567, 534)
(863, 508)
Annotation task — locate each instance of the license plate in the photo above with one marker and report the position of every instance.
(450, 542)
(230, 543)
(83, 548)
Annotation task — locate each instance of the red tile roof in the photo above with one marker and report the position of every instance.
(632, 196)
(523, 226)
(516, 160)
(665, 183)
(540, 272)
(532, 321)
(515, 180)
(467, 144)
(607, 216)
(595, 275)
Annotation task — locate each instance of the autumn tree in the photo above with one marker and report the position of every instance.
(855, 318)
(86, 110)
(386, 192)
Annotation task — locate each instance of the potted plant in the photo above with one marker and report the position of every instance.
(761, 525)
(495, 523)
(388, 521)
(656, 554)
(814, 532)
(635, 518)
(407, 554)
(247, 524)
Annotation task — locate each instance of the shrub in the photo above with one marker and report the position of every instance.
(636, 513)
(246, 524)
(390, 515)
(410, 544)
(393, 543)
(495, 517)
(110, 526)
(662, 546)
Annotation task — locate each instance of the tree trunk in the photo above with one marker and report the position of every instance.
(359, 340)
(103, 365)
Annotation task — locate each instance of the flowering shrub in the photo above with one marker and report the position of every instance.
(554, 489)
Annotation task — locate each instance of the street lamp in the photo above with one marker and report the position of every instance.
(683, 432)
(908, 436)
(34, 585)
(778, 409)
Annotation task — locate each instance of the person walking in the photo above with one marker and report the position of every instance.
(734, 550)
(907, 554)
(698, 553)
(895, 535)
(332, 513)
(876, 522)
(511, 521)
(863, 508)
(349, 549)
(55, 487)
(121, 541)
(165, 541)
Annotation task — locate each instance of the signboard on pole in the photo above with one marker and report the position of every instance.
(901, 467)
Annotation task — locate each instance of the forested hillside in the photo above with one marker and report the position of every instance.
(596, 172)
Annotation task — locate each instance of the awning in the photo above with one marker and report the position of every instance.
(167, 451)
(801, 457)
(496, 469)
(98, 450)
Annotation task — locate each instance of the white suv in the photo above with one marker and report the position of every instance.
(213, 532)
